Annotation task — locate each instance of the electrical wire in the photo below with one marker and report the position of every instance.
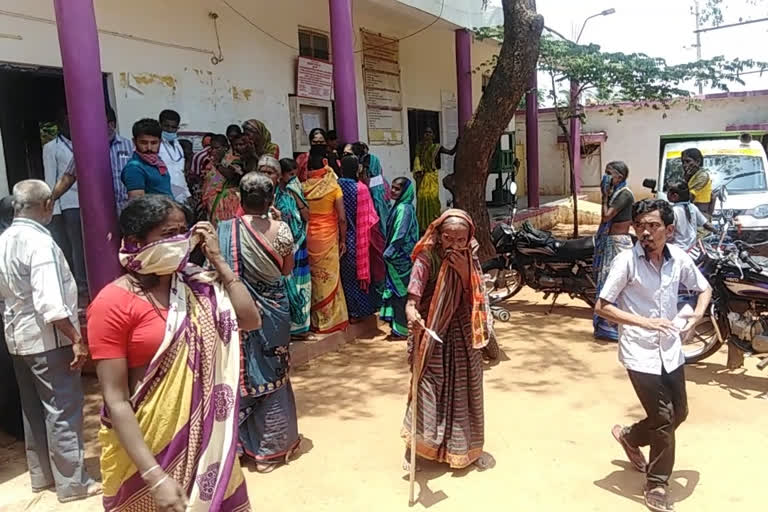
(292, 47)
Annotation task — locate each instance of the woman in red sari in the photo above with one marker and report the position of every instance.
(447, 295)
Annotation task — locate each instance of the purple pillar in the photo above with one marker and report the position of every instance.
(344, 82)
(576, 136)
(464, 76)
(532, 142)
(79, 44)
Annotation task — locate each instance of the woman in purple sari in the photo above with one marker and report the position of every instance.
(165, 340)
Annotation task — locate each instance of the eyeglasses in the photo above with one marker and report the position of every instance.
(648, 226)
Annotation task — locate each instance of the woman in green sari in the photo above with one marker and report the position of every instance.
(403, 233)
(425, 173)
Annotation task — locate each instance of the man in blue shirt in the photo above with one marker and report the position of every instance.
(146, 173)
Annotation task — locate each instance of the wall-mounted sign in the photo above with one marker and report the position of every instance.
(314, 79)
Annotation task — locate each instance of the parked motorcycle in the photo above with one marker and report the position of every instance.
(533, 257)
(738, 313)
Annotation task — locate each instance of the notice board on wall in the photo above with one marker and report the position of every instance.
(314, 79)
(381, 83)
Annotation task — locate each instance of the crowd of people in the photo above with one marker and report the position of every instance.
(231, 252)
(228, 255)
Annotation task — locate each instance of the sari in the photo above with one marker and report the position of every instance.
(186, 403)
(427, 186)
(450, 421)
(607, 247)
(268, 428)
(380, 191)
(299, 283)
(356, 262)
(329, 309)
(220, 197)
(403, 233)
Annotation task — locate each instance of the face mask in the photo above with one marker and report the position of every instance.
(161, 258)
(170, 136)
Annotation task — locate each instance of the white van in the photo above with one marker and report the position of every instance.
(725, 159)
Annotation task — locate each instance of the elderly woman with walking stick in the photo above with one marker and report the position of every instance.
(448, 315)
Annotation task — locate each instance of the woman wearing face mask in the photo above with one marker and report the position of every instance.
(326, 243)
(165, 338)
(317, 142)
(261, 138)
(446, 294)
(613, 235)
(260, 250)
(425, 173)
(361, 221)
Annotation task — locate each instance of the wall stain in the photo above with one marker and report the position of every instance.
(241, 94)
(168, 81)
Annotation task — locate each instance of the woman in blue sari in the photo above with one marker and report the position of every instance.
(377, 184)
(260, 251)
(613, 235)
(361, 215)
(403, 229)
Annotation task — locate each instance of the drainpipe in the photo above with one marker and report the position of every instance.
(464, 77)
(79, 45)
(532, 142)
(344, 76)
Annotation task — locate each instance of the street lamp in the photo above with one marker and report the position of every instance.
(606, 12)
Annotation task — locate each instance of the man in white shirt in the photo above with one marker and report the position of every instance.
(65, 226)
(172, 154)
(42, 332)
(688, 218)
(643, 283)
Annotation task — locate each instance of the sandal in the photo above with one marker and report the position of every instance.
(265, 468)
(407, 461)
(657, 499)
(635, 456)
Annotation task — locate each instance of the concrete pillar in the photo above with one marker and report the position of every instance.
(463, 77)
(79, 44)
(575, 130)
(344, 76)
(532, 142)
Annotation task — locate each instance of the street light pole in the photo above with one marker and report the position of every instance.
(698, 40)
(606, 12)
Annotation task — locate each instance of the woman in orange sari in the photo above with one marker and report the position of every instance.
(326, 235)
(447, 295)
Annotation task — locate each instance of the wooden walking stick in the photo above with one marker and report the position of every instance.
(414, 420)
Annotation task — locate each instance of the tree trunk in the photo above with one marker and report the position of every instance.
(508, 83)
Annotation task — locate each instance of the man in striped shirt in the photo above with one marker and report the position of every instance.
(120, 152)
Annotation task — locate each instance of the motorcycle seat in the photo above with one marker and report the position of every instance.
(580, 248)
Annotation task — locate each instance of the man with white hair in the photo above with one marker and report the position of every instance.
(43, 337)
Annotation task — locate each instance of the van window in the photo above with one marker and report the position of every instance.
(723, 167)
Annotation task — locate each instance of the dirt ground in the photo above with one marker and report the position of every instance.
(550, 403)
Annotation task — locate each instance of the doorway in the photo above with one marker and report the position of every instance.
(29, 99)
(418, 122)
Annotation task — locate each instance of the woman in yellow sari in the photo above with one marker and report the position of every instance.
(165, 338)
(425, 173)
(326, 236)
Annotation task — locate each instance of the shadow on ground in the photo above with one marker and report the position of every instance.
(628, 483)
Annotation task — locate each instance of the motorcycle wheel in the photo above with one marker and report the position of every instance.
(491, 350)
(507, 282)
(703, 341)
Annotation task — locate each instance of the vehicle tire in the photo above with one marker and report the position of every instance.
(491, 350)
(507, 282)
(504, 316)
(703, 342)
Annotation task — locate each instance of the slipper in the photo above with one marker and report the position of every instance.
(657, 499)
(635, 456)
(38, 490)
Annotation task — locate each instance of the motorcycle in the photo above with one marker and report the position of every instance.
(738, 313)
(535, 258)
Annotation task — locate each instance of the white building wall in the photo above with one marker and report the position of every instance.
(635, 139)
(257, 73)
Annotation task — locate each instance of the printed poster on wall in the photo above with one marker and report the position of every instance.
(381, 83)
(314, 79)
